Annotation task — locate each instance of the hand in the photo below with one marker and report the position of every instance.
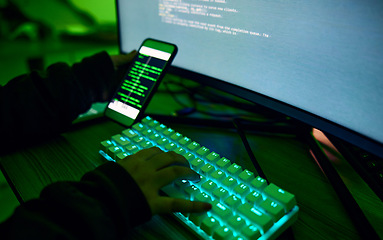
(152, 169)
(122, 59)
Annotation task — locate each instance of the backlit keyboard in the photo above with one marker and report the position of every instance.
(245, 206)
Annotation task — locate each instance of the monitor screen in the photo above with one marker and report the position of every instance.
(320, 62)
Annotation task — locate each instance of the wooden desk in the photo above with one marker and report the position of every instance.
(285, 160)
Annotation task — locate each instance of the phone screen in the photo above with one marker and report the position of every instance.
(140, 81)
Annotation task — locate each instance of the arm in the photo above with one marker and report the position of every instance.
(107, 202)
(44, 103)
(103, 205)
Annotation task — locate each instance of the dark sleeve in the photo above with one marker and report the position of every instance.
(44, 103)
(105, 204)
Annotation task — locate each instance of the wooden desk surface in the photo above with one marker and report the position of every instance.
(285, 160)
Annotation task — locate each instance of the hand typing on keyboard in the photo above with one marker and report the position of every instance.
(153, 169)
(243, 205)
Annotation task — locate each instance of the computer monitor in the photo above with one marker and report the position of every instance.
(320, 62)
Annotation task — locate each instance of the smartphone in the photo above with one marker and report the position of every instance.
(141, 81)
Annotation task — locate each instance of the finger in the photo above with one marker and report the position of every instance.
(126, 58)
(166, 159)
(148, 153)
(170, 174)
(132, 162)
(183, 161)
(122, 59)
(169, 205)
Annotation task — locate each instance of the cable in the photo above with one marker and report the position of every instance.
(187, 110)
(173, 94)
(237, 125)
(288, 233)
(200, 94)
(205, 94)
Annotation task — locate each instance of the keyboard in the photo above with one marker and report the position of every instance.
(245, 206)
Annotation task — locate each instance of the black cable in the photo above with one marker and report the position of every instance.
(194, 108)
(193, 94)
(201, 94)
(288, 233)
(173, 94)
(237, 125)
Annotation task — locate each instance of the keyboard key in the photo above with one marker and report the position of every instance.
(205, 169)
(192, 191)
(113, 151)
(202, 197)
(153, 124)
(209, 224)
(234, 169)
(257, 217)
(283, 197)
(132, 149)
(223, 163)
(253, 197)
(146, 144)
(217, 175)
(258, 183)
(236, 222)
(209, 186)
(202, 179)
(221, 210)
(193, 146)
(147, 132)
(202, 151)
(162, 142)
(246, 176)
(138, 139)
(176, 136)
(139, 127)
(242, 190)
(251, 232)
(147, 120)
(170, 146)
(189, 156)
(239, 237)
(121, 156)
(120, 140)
(105, 145)
(180, 151)
(232, 201)
(220, 193)
(168, 132)
(160, 128)
(184, 141)
(229, 182)
(212, 157)
(196, 164)
(273, 208)
(129, 133)
(155, 136)
(223, 233)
